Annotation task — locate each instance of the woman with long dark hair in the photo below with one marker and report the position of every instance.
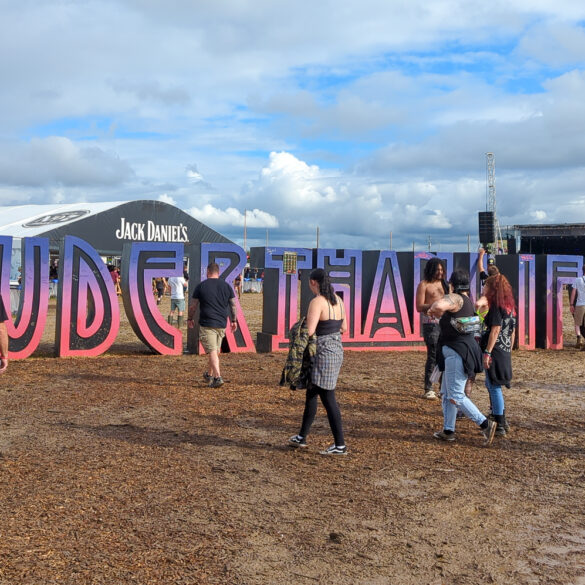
(325, 319)
(460, 358)
(498, 341)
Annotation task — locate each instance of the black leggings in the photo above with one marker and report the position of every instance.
(332, 408)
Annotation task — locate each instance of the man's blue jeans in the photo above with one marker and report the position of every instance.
(453, 392)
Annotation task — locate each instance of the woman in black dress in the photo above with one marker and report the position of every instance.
(497, 342)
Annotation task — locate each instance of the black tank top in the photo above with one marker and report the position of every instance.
(448, 332)
(328, 326)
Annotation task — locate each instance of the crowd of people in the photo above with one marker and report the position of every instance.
(462, 337)
(465, 338)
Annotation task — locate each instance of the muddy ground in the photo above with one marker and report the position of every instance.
(127, 469)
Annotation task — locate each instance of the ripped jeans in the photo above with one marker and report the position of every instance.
(453, 392)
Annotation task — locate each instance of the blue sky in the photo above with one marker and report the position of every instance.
(363, 119)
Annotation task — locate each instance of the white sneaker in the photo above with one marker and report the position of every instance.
(334, 450)
(430, 395)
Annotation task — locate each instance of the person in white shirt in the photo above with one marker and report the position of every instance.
(178, 285)
(578, 309)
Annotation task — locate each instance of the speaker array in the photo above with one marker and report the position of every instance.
(487, 231)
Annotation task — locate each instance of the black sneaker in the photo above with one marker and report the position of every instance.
(207, 377)
(334, 450)
(297, 441)
(216, 382)
(443, 436)
(489, 432)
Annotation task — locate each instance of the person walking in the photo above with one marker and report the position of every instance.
(459, 358)
(216, 300)
(238, 285)
(3, 338)
(159, 285)
(178, 285)
(577, 307)
(326, 319)
(499, 340)
(430, 289)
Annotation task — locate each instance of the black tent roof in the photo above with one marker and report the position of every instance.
(108, 226)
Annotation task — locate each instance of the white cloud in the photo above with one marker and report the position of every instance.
(254, 218)
(166, 199)
(538, 215)
(288, 182)
(555, 43)
(193, 174)
(363, 121)
(58, 160)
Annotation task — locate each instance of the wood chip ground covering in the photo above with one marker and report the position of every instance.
(127, 469)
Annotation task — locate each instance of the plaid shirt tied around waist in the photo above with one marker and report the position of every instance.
(327, 361)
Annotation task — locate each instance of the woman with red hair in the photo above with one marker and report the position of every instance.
(497, 344)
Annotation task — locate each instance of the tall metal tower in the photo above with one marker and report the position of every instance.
(491, 197)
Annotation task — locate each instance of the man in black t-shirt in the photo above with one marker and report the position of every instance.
(216, 300)
(3, 338)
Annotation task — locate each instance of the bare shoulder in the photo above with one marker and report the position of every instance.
(317, 302)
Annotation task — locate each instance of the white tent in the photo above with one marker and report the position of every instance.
(106, 226)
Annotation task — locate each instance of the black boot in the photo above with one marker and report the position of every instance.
(500, 420)
(505, 422)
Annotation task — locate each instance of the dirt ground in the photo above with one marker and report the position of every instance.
(127, 469)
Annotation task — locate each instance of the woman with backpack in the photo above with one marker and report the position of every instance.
(459, 358)
(325, 319)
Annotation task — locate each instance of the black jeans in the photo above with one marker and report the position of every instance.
(332, 408)
(431, 332)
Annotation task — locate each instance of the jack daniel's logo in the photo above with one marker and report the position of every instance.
(151, 232)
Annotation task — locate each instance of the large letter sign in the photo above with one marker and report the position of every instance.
(280, 310)
(378, 289)
(387, 323)
(558, 271)
(344, 268)
(520, 271)
(141, 262)
(88, 314)
(26, 332)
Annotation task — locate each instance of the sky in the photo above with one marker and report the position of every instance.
(363, 123)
